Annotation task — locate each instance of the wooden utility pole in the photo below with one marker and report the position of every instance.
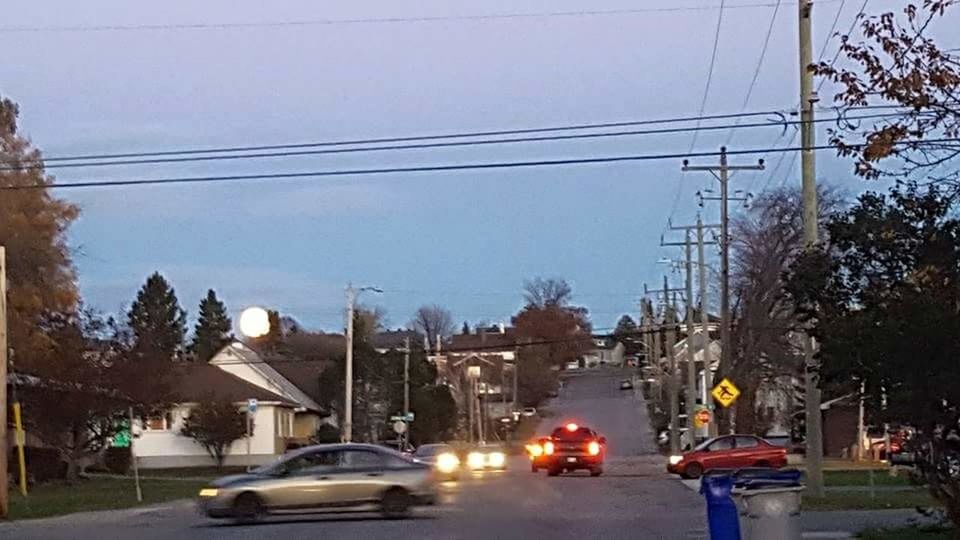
(673, 379)
(722, 173)
(406, 388)
(705, 330)
(4, 488)
(347, 427)
(814, 450)
(691, 394)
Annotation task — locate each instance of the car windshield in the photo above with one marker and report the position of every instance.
(580, 434)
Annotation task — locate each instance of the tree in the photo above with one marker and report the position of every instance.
(433, 321)
(766, 240)
(213, 327)
(33, 229)
(882, 301)
(215, 424)
(157, 322)
(556, 333)
(76, 401)
(900, 67)
(542, 293)
(626, 332)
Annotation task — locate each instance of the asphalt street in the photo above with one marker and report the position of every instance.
(634, 499)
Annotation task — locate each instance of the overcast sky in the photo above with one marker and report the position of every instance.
(465, 240)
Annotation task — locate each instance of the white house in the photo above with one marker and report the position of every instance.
(605, 351)
(285, 413)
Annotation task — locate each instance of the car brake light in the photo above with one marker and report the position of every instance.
(593, 448)
(572, 427)
(548, 448)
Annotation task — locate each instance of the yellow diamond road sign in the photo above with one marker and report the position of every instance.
(725, 393)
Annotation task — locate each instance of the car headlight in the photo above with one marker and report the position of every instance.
(447, 462)
(675, 459)
(535, 450)
(208, 492)
(475, 460)
(496, 459)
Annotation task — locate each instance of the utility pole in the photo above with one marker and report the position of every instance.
(705, 331)
(814, 454)
(4, 493)
(406, 386)
(673, 379)
(669, 320)
(691, 400)
(347, 434)
(722, 173)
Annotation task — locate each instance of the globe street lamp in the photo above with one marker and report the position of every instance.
(352, 293)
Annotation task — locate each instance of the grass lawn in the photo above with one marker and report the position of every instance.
(932, 532)
(192, 472)
(862, 478)
(56, 499)
(863, 501)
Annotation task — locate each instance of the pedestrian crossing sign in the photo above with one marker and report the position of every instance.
(725, 393)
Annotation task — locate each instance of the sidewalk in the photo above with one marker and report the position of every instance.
(854, 521)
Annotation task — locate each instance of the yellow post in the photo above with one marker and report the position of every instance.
(21, 440)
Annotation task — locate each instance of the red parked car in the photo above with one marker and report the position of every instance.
(728, 452)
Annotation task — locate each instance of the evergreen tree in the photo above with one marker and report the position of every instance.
(212, 332)
(466, 329)
(156, 320)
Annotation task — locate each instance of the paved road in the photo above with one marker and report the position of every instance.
(634, 499)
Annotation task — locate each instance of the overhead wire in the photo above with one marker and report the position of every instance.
(370, 20)
(756, 72)
(207, 155)
(425, 168)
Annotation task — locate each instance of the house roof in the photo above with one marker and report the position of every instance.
(394, 339)
(304, 375)
(195, 381)
(238, 352)
(461, 343)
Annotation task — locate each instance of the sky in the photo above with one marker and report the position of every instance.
(466, 240)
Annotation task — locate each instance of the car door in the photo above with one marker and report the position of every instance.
(747, 452)
(362, 477)
(717, 455)
(303, 481)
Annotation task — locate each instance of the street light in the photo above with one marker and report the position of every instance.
(348, 372)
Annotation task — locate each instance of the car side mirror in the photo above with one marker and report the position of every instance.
(603, 440)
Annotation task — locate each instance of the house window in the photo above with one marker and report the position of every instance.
(160, 422)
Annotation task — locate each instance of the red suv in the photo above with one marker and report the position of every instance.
(728, 452)
(571, 448)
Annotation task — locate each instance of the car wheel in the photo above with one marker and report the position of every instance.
(533, 468)
(395, 503)
(693, 471)
(553, 471)
(248, 507)
(596, 471)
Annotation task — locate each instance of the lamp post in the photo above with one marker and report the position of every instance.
(347, 435)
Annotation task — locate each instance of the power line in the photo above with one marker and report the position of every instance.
(372, 20)
(703, 105)
(429, 168)
(412, 138)
(853, 25)
(756, 72)
(192, 157)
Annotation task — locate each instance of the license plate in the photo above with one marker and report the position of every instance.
(571, 460)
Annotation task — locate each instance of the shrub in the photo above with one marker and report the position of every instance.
(117, 460)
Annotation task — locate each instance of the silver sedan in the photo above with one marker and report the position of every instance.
(315, 478)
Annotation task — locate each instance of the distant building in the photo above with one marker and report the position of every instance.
(605, 351)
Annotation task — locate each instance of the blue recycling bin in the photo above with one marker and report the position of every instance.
(721, 510)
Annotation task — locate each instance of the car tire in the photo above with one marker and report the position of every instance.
(596, 471)
(248, 507)
(553, 471)
(395, 503)
(533, 468)
(693, 471)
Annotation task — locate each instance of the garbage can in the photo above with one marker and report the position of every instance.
(721, 510)
(770, 505)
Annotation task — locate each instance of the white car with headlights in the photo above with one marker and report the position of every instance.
(442, 457)
(487, 458)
